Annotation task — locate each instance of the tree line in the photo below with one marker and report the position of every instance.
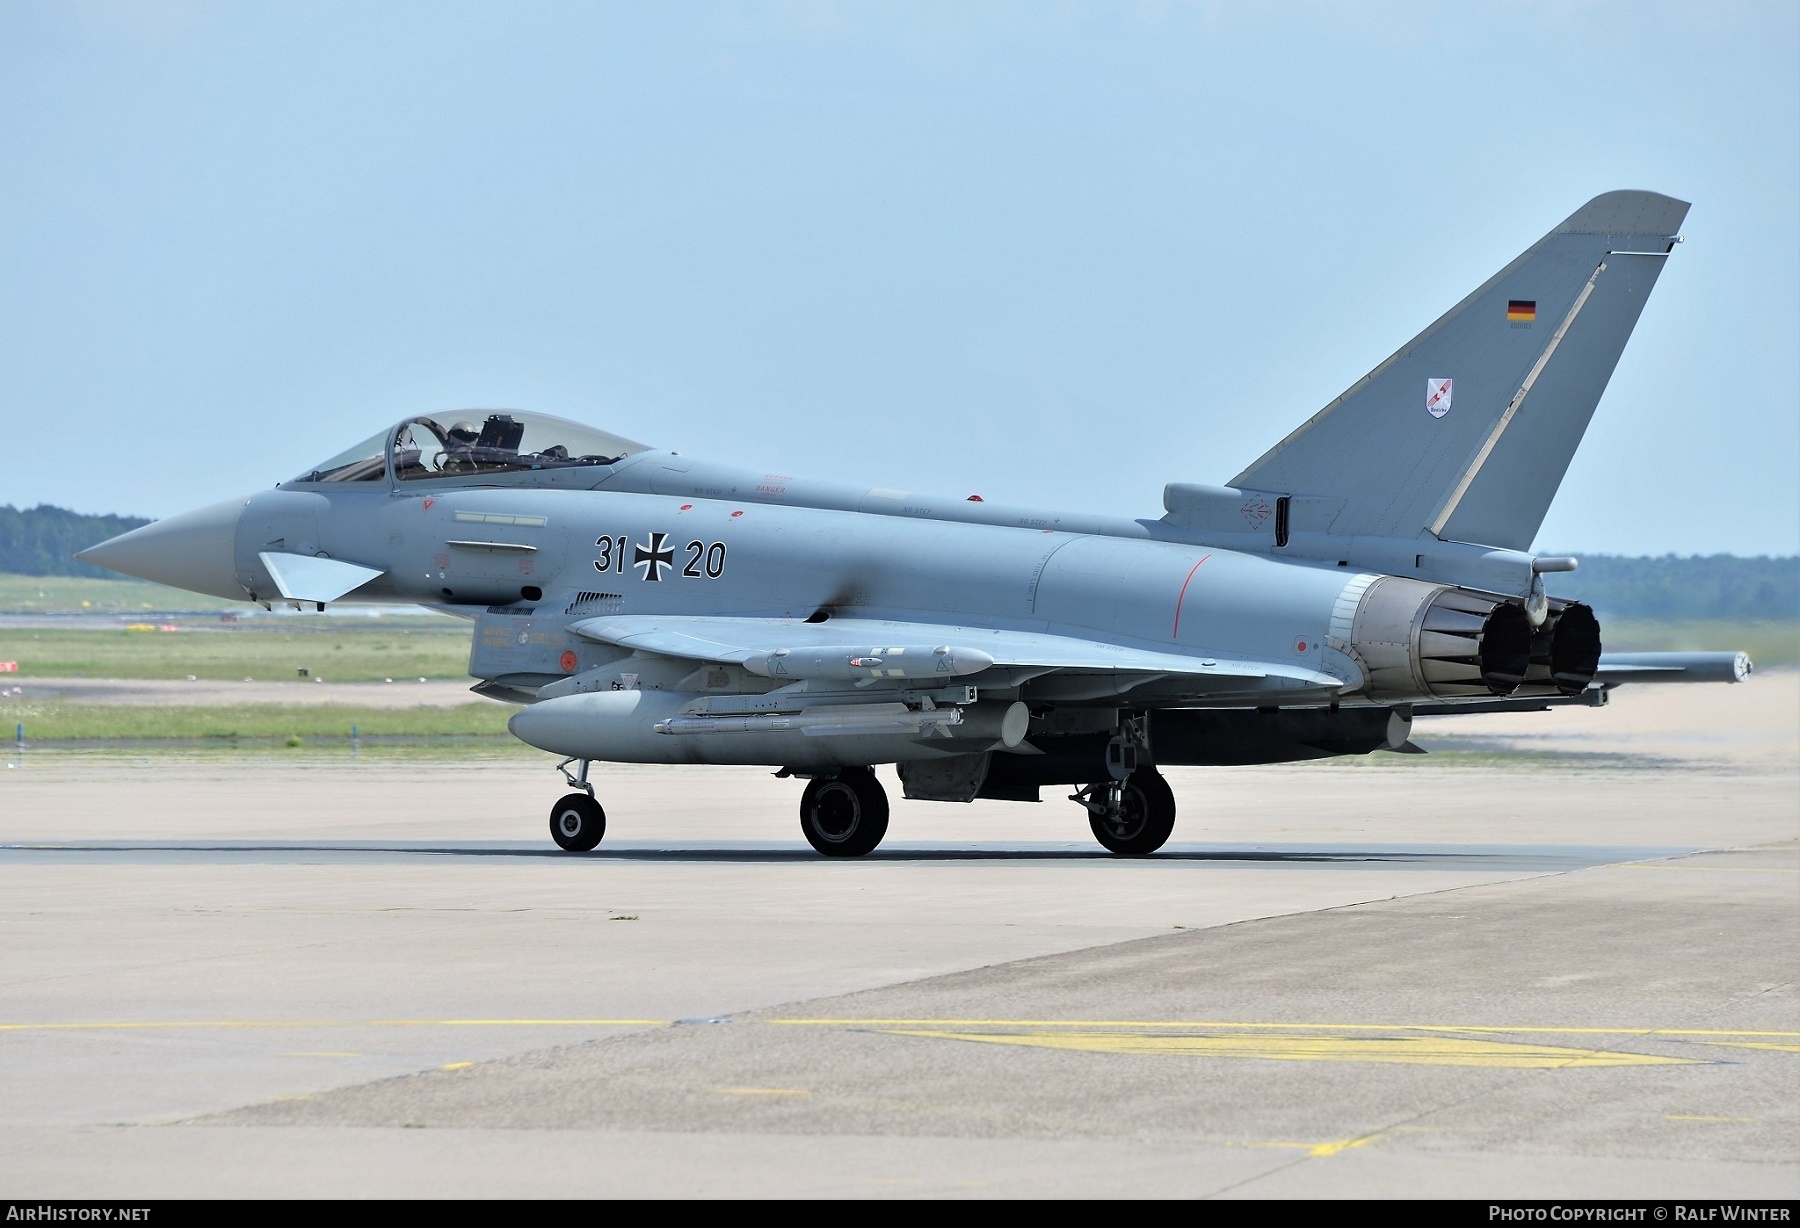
(1670, 587)
(42, 540)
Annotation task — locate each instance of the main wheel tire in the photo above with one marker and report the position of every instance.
(844, 815)
(1146, 815)
(577, 822)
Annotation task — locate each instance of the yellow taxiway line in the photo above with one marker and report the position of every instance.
(1073, 1024)
(1296, 1027)
(1481, 1045)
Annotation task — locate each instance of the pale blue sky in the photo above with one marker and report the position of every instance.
(1059, 254)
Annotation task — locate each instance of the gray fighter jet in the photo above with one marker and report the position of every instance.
(642, 606)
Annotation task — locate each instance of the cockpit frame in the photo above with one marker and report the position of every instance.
(478, 447)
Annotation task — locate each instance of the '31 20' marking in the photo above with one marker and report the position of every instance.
(656, 554)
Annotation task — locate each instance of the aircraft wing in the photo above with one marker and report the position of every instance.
(777, 647)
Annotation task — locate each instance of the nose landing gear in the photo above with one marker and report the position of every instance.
(577, 821)
(1133, 816)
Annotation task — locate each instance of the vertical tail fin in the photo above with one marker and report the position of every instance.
(1466, 432)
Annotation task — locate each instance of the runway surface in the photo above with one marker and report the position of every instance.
(285, 977)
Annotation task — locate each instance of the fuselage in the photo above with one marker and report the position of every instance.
(475, 548)
(593, 567)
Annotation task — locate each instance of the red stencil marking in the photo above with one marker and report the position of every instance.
(1176, 633)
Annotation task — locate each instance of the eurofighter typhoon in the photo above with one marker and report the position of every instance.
(643, 606)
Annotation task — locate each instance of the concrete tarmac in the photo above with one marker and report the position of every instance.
(1547, 976)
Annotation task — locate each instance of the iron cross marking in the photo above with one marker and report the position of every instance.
(653, 557)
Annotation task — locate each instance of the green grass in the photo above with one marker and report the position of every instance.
(338, 650)
(55, 721)
(73, 595)
(1769, 643)
(423, 750)
(346, 648)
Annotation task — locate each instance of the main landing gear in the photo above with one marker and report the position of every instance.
(577, 821)
(844, 815)
(1133, 816)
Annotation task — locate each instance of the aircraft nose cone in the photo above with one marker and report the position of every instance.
(194, 550)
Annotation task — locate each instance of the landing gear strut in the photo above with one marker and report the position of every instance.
(577, 821)
(844, 815)
(1133, 816)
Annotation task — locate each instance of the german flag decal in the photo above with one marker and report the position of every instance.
(1521, 311)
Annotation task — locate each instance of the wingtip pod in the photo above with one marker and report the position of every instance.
(1627, 212)
(1619, 667)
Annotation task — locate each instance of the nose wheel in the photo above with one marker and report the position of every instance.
(577, 821)
(844, 815)
(1133, 816)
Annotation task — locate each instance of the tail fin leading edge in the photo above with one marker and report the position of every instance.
(1466, 432)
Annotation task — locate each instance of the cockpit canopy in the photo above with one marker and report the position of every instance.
(474, 444)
